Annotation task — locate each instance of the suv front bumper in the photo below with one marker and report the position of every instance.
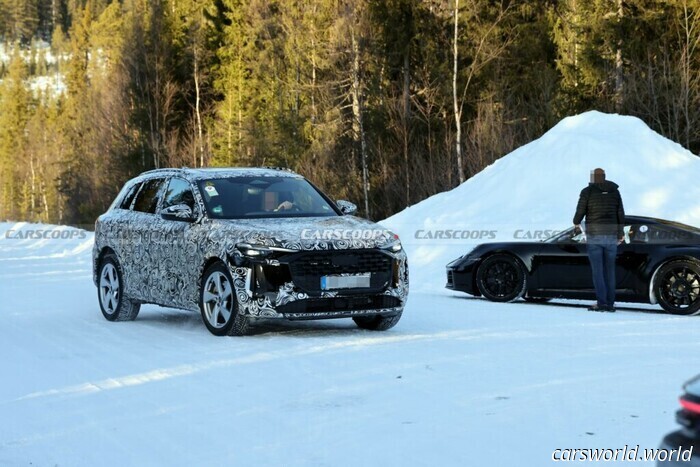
(294, 297)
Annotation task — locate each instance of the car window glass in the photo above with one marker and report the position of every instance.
(263, 197)
(562, 237)
(178, 192)
(147, 199)
(129, 197)
(662, 234)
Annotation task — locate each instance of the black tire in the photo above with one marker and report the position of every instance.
(378, 322)
(677, 287)
(501, 278)
(110, 285)
(236, 324)
(536, 299)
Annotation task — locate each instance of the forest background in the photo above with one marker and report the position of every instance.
(380, 102)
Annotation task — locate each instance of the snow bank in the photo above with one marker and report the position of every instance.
(23, 240)
(534, 190)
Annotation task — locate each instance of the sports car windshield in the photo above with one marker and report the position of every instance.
(564, 236)
(262, 197)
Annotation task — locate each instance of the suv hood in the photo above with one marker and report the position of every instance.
(307, 233)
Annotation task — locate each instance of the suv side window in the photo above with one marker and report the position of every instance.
(129, 196)
(179, 192)
(147, 199)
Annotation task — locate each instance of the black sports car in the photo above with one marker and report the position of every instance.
(659, 262)
(686, 441)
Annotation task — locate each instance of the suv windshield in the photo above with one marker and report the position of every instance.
(260, 197)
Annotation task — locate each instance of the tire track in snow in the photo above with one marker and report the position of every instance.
(162, 374)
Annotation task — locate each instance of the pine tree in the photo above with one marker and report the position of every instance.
(15, 105)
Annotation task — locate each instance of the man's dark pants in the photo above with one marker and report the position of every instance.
(602, 250)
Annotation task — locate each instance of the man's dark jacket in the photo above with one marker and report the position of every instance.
(601, 204)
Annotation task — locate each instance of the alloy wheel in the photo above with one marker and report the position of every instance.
(680, 288)
(217, 299)
(501, 278)
(109, 288)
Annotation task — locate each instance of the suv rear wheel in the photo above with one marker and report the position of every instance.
(110, 292)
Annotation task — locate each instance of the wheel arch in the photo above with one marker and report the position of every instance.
(225, 259)
(211, 260)
(106, 250)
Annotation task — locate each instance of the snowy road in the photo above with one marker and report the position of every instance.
(460, 381)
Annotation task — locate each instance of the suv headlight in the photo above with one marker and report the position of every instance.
(393, 247)
(260, 251)
(254, 251)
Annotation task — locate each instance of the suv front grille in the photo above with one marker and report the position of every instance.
(308, 267)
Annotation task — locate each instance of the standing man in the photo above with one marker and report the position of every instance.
(601, 204)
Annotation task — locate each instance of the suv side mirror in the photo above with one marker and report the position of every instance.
(178, 212)
(346, 207)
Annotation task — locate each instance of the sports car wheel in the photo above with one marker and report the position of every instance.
(218, 304)
(677, 287)
(501, 278)
(110, 292)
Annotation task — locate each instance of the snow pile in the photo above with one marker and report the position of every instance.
(534, 190)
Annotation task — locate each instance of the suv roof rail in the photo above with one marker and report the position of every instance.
(161, 169)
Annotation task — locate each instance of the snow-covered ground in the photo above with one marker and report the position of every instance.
(460, 381)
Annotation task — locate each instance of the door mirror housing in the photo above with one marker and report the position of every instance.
(178, 212)
(346, 207)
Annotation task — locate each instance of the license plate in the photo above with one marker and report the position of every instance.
(345, 282)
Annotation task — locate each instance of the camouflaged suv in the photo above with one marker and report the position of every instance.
(245, 244)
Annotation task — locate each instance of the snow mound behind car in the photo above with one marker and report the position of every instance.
(532, 192)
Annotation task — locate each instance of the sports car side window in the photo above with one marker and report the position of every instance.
(179, 192)
(147, 199)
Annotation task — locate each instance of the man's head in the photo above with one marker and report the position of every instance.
(597, 175)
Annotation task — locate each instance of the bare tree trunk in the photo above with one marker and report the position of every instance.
(455, 99)
(229, 126)
(240, 106)
(54, 13)
(405, 118)
(200, 139)
(688, 78)
(619, 83)
(44, 201)
(358, 128)
(33, 182)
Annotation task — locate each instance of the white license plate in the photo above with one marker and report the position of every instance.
(345, 282)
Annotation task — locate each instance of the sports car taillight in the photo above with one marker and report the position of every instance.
(689, 405)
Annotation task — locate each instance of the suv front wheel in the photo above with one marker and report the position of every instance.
(218, 304)
(378, 322)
